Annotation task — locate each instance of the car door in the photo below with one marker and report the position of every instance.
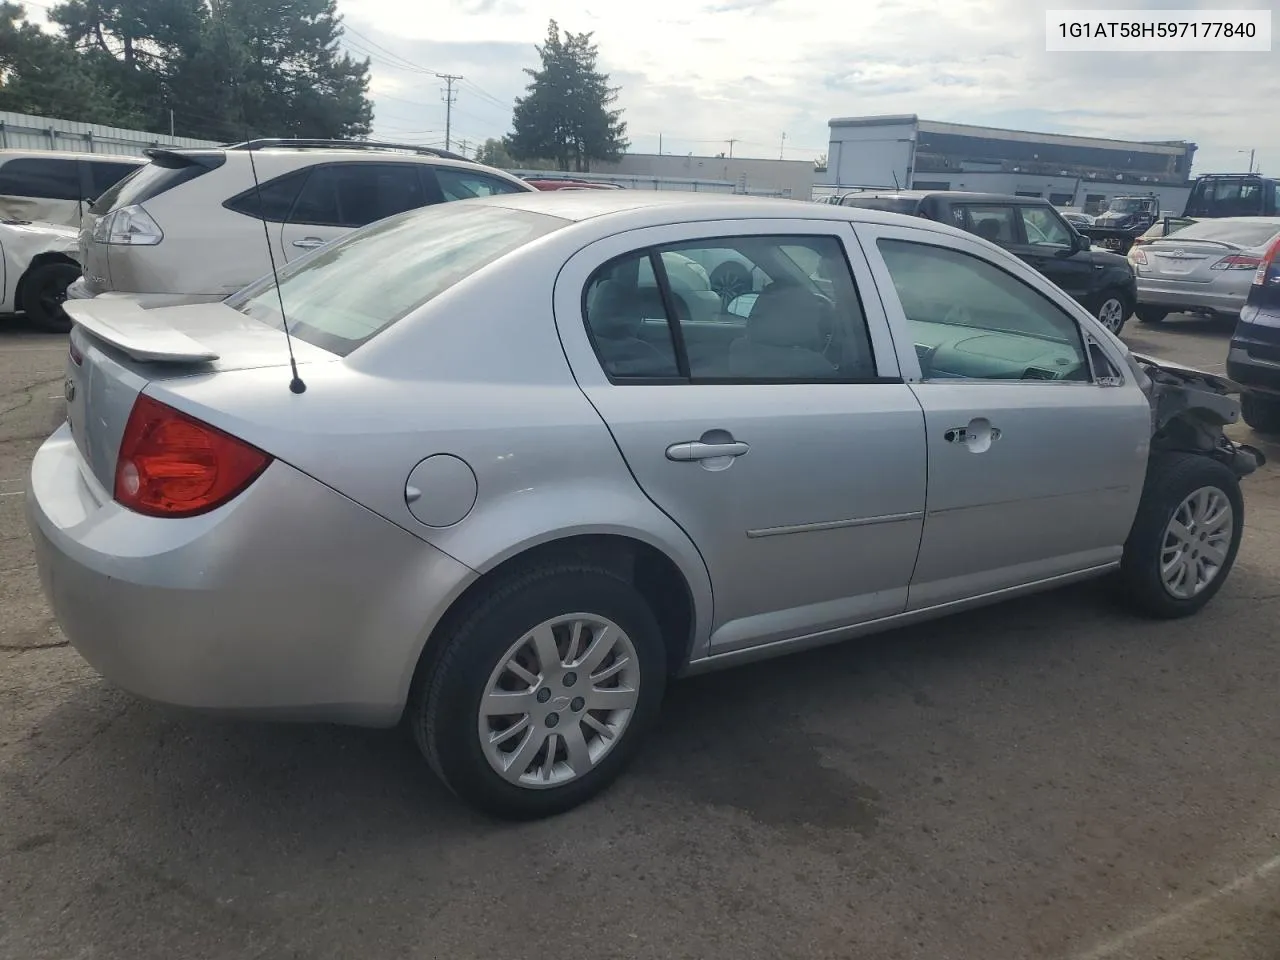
(778, 435)
(1036, 464)
(339, 197)
(1046, 243)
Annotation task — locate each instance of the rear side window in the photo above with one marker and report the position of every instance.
(103, 175)
(356, 194)
(354, 288)
(277, 197)
(51, 179)
(166, 171)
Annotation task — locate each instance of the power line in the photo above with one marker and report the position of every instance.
(409, 64)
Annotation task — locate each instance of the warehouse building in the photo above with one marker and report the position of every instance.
(1069, 171)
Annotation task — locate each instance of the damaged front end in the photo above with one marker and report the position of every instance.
(1190, 408)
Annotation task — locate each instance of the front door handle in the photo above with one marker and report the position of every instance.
(697, 450)
(978, 435)
(309, 243)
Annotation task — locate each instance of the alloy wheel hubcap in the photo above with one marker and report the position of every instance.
(1112, 314)
(1196, 542)
(559, 700)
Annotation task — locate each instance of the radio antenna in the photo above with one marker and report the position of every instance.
(295, 385)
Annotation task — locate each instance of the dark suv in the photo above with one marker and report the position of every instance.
(1032, 229)
(1253, 359)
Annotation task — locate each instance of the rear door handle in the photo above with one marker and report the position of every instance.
(697, 450)
(309, 243)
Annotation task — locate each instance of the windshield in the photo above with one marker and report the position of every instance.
(888, 204)
(1253, 232)
(1129, 206)
(351, 290)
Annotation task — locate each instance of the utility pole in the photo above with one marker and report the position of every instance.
(462, 144)
(450, 97)
(782, 150)
(731, 143)
(171, 122)
(659, 144)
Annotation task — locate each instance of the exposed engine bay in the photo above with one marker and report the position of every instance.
(1190, 408)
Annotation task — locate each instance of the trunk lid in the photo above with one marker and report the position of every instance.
(1190, 261)
(117, 348)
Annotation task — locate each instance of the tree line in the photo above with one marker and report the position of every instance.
(230, 70)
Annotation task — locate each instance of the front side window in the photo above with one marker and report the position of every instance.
(795, 316)
(51, 179)
(971, 320)
(465, 184)
(356, 194)
(354, 288)
(1045, 229)
(994, 223)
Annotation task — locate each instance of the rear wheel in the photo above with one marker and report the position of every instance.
(44, 290)
(1150, 314)
(1260, 413)
(1113, 310)
(1185, 536)
(542, 691)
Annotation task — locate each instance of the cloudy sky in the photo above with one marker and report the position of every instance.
(702, 72)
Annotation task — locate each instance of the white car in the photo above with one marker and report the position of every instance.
(39, 262)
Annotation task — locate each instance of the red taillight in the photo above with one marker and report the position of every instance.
(1137, 255)
(172, 465)
(1268, 262)
(1237, 261)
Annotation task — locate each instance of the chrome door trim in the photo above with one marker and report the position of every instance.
(834, 524)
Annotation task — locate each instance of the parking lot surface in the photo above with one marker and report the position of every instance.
(1050, 778)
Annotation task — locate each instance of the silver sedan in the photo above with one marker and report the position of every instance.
(516, 482)
(1204, 268)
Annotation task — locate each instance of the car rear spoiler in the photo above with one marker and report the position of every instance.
(177, 159)
(137, 332)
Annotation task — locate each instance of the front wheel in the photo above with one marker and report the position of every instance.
(1185, 536)
(1113, 310)
(44, 290)
(542, 692)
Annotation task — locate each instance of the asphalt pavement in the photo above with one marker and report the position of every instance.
(1051, 778)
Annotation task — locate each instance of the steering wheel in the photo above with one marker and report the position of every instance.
(959, 315)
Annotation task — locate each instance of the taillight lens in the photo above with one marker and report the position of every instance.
(74, 352)
(128, 226)
(173, 465)
(1268, 264)
(1138, 255)
(1237, 261)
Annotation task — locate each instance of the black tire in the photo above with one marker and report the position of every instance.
(1104, 305)
(1171, 479)
(44, 289)
(1150, 315)
(444, 709)
(1260, 413)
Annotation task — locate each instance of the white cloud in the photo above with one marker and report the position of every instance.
(700, 72)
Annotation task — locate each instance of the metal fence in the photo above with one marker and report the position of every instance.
(637, 182)
(21, 131)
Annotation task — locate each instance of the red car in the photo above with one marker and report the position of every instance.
(572, 185)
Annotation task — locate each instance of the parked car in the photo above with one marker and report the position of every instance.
(54, 186)
(509, 494)
(39, 263)
(1076, 218)
(1162, 228)
(1253, 359)
(1205, 268)
(1233, 195)
(1033, 229)
(188, 226)
(560, 184)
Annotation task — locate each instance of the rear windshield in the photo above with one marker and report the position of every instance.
(150, 180)
(348, 292)
(1229, 197)
(888, 204)
(1243, 233)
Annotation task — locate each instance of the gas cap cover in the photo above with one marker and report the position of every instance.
(441, 490)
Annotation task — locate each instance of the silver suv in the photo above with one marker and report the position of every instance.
(188, 226)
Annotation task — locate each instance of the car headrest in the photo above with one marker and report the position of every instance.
(612, 314)
(786, 316)
(988, 229)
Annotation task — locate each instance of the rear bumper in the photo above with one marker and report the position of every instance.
(79, 290)
(1254, 374)
(1175, 295)
(290, 602)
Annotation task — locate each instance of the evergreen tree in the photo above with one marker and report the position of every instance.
(566, 114)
